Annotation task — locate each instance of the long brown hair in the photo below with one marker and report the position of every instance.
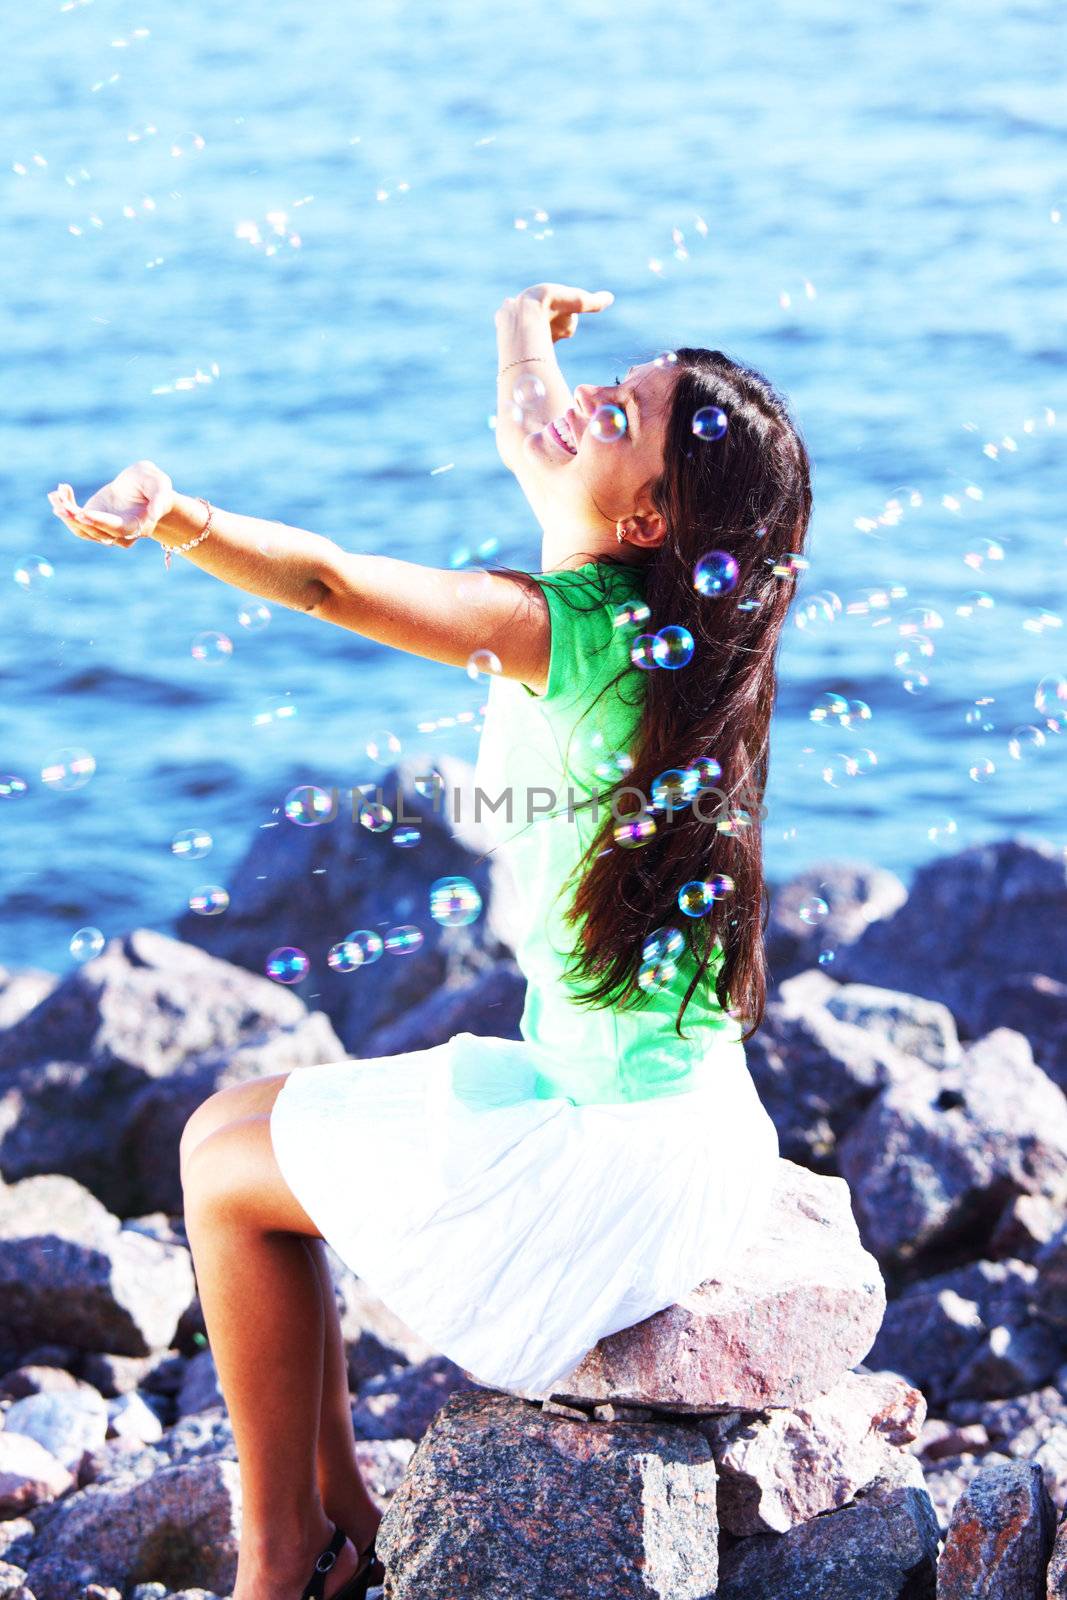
(747, 493)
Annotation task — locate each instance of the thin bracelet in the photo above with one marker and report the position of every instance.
(167, 548)
(519, 363)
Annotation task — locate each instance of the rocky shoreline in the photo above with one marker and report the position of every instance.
(875, 1406)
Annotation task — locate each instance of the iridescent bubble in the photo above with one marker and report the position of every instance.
(973, 602)
(632, 832)
(990, 551)
(483, 663)
(614, 766)
(977, 716)
(12, 786)
(981, 770)
(209, 900)
(817, 610)
(788, 565)
(278, 712)
(920, 619)
(825, 958)
(191, 843)
(673, 646)
(406, 838)
(86, 943)
(643, 651)
(307, 805)
(632, 614)
(665, 941)
(1050, 698)
(254, 616)
(920, 647)
(383, 747)
(813, 909)
(374, 816)
(361, 948)
(914, 682)
(1024, 741)
(708, 772)
(858, 711)
(403, 940)
(666, 358)
(608, 423)
(68, 769)
(673, 790)
(528, 390)
(715, 573)
(710, 422)
(287, 964)
(212, 648)
(343, 957)
(720, 885)
(694, 898)
(654, 975)
(943, 832)
(736, 820)
(829, 707)
(454, 902)
(33, 572)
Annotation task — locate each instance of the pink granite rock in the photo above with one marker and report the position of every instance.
(794, 1314)
(30, 1475)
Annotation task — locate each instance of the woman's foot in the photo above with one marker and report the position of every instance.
(286, 1579)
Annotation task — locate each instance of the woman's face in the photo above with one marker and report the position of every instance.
(598, 462)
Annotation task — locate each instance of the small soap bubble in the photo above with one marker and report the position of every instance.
(735, 822)
(707, 772)
(694, 899)
(825, 958)
(977, 716)
(858, 711)
(209, 900)
(403, 940)
(287, 964)
(666, 358)
(673, 647)
(1024, 741)
(673, 790)
(817, 610)
(974, 602)
(655, 975)
(715, 573)
(12, 787)
(406, 838)
(813, 909)
(919, 619)
(710, 422)
(528, 390)
(211, 647)
(383, 747)
(454, 902)
(374, 816)
(86, 943)
(280, 711)
(68, 769)
(191, 843)
(632, 614)
(360, 948)
(254, 617)
(483, 663)
(33, 572)
(1050, 697)
(981, 770)
(830, 707)
(343, 957)
(307, 805)
(665, 941)
(614, 766)
(634, 831)
(643, 651)
(943, 832)
(608, 423)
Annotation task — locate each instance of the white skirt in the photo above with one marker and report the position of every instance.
(513, 1233)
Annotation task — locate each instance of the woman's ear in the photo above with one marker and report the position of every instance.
(645, 528)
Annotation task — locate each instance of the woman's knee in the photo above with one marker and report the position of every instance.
(232, 1104)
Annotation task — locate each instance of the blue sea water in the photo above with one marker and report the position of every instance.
(263, 247)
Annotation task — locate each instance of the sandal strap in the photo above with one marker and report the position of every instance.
(316, 1584)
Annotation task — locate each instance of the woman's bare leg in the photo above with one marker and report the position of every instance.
(263, 1309)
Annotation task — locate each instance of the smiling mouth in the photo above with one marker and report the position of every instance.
(561, 432)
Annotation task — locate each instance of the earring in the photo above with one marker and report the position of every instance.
(618, 535)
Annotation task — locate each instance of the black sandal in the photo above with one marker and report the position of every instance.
(370, 1574)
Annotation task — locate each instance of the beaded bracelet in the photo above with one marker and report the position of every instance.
(519, 363)
(167, 548)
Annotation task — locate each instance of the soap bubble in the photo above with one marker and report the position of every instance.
(406, 838)
(710, 422)
(1024, 741)
(287, 964)
(813, 909)
(211, 648)
(673, 647)
(977, 716)
(454, 902)
(68, 769)
(715, 573)
(482, 662)
(278, 712)
(403, 940)
(86, 943)
(673, 790)
(632, 614)
(981, 770)
(12, 786)
(666, 359)
(374, 816)
(943, 832)
(634, 831)
(643, 651)
(33, 572)
(209, 900)
(307, 805)
(360, 949)
(383, 746)
(817, 610)
(254, 616)
(830, 707)
(707, 771)
(528, 390)
(191, 843)
(608, 423)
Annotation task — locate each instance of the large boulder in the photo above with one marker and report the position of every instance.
(1000, 1537)
(970, 921)
(939, 1155)
(784, 1323)
(1036, 1006)
(311, 886)
(97, 1080)
(69, 1271)
(824, 909)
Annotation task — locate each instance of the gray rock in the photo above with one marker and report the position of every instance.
(98, 1079)
(947, 1478)
(12, 1582)
(376, 1341)
(69, 1270)
(200, 1385)
(780, 1327)
(490, 1004)
(113, 1375)
(302, 884)
(921, 1029)
(16, 1537)
(1036, 1006)
(29, 1474)
(1027, 1223)
(21, 990)
(970, 921)
(67, 1423)
(1000, 1537)
(402, 1404)
(882, 1547)
(1051, 1262)
(806, 990)
(935, 1159)
(501, 1500)
(24, 1380)
(855, 894)
(969, 1331)
(131, 1417)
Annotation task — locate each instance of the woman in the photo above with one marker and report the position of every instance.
(550, 1190)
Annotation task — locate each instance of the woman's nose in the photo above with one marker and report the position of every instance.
(585, 397)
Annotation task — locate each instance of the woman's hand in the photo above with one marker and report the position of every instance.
(562, 304)
(128, 508)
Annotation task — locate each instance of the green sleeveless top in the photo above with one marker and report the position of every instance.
(537, 759)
